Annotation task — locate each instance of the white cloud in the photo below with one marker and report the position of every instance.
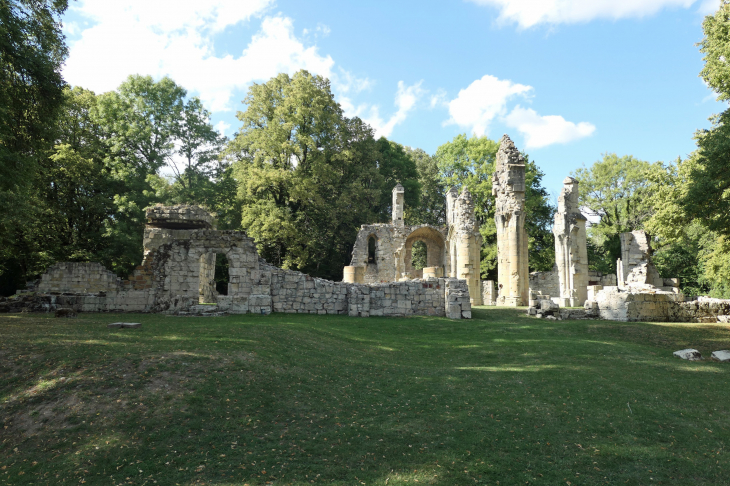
(528, 13)
(222, 127)
(541, 131)
(439, 99)
(405, 100)
(709, 7)
(345, 82)
(476, 106)
(176, 38)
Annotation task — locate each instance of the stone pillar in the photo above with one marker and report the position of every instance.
(432, 272)
(468, 245)
(398, 196)
(508, 185)
(571, 252)
(635, 267)
(489, 297)
(353, 274)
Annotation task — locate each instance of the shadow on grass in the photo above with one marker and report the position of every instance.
(286, 399)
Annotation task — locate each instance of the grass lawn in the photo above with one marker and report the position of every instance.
(298, 399)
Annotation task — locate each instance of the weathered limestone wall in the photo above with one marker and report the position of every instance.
(452, 251)
(508, 185)
(661, 306)
(635, 265)
(179, 273)
(79, 277)
(571, 253)
(545, 283)
(489, 293)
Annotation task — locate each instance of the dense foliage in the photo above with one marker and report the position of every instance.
(78, 169)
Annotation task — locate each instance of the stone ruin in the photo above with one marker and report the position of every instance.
(383, 252)
(508, 186)
(638, 293)
(177, 275)
(571, 251)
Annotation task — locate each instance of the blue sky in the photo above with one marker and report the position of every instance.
(568, 80)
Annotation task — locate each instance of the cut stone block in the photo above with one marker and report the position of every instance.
(688, 354)
(723, 355)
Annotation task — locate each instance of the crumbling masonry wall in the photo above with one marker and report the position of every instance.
(452, 251)
(177, 274)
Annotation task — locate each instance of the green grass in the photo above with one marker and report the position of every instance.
(294, 399)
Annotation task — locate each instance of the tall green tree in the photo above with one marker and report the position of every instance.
(149, 125)
(395, 166)
(431, 208)
(307, 175)
(470, 162)
(614, 193)
(32, 50)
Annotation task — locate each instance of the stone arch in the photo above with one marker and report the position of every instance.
(435, 248)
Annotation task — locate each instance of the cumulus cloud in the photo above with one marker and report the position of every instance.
(176, 38)
(541, 131)
(405, 100)
(482, 101)
(528, 13)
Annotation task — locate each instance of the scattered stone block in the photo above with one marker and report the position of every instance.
(725, 319)
(722, 356)
(688, 354)
(122, 325)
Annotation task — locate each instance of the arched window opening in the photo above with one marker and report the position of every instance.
(419, 255)
(371, 249)
(221, 274)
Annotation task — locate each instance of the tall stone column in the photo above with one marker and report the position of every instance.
(398, 201)
(508, 186)
(468, 245)
(571, 253)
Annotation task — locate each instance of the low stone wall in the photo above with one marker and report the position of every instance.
(659, 306)
(545, 283)
(78, 277)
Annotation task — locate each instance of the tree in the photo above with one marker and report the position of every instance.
(615, 191)
(395, 166)
(307, 175)
(431, 208)
(470, 162)
(32, 50)
(148, 125)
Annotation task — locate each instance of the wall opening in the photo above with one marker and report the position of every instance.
(213, 277)
(372, 246)
(419, 255)
(221, 274)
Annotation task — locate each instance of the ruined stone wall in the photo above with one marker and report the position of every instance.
(635, 265)
(508, 186)
(545, 283)
(78, 277)
(489, 293)
(625, 305)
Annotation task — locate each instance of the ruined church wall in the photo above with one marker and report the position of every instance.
(79, 277)
(546, 283)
